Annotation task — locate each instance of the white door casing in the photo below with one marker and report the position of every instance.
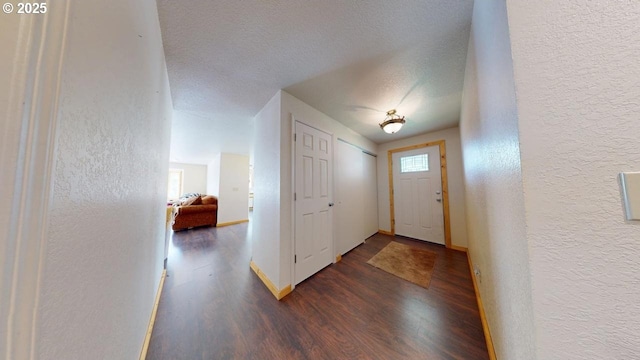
(313, 194)
(418, 197)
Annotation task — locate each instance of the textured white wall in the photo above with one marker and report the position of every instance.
(493, 181)
(265, 222)
(577, 81)
(194, 177)
(234, 188)
(106, 236)
(454, 173)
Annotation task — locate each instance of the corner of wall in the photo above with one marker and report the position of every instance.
(494, 204)
(101, 164)
(266, 217)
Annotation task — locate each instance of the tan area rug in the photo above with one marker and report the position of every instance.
(406, 262)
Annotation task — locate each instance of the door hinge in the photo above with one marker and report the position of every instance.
(295, 259)
(295, 197)
(295, 137)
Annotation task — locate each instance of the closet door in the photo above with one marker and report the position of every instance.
(370, 195)
(349, 190)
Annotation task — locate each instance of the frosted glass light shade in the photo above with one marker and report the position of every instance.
(393, 123)
(392, 127)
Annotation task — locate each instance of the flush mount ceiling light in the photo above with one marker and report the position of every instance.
(392, 123)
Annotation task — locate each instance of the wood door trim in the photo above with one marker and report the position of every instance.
(443, 178)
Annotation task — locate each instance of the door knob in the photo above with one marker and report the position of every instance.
(331, 204)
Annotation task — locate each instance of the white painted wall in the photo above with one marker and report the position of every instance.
(577, 77)
(105, 238)
(194, 177)
(234, 188)
(265, 222)
(213, 176)
(454, 173)
(559, 264)
(495, 209)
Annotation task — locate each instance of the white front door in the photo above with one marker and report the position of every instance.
(313, 195)
(417, 194)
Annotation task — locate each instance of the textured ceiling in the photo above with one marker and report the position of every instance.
(350, 59)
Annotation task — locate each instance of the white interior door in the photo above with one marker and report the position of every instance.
(313, 194)
(417, 194)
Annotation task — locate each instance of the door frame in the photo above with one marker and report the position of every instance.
(443, 179)
(29, 155)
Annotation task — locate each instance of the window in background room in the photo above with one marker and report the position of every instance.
(414, 163)
(175, 184)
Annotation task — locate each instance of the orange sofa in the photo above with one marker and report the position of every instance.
(195, 211)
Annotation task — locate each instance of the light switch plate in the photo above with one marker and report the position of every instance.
(630, 189)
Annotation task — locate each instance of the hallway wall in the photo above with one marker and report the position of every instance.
(577, 77)
(546, 228)
(493, 184)
(105, 241)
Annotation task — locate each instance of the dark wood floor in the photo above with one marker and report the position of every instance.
(214, 307)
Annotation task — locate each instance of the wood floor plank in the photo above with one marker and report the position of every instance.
(214, 307)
